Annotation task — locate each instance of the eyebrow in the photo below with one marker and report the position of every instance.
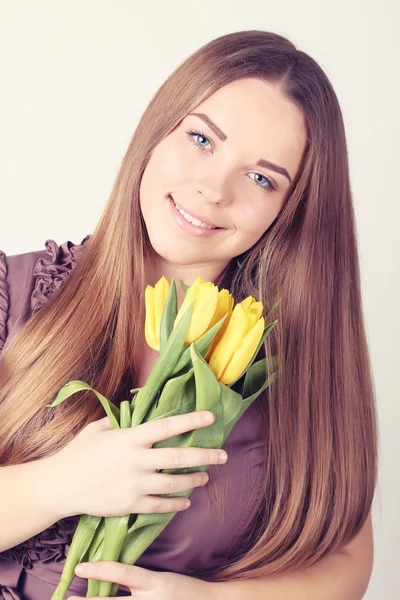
(222, 136)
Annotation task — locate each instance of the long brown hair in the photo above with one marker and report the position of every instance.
(321, 450)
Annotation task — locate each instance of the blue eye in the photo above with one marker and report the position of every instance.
(192, 134)
(270, 187)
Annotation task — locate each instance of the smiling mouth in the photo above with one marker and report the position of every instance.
(193, 220)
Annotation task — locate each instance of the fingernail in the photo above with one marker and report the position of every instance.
(223, 457)
(80, 569)
(208, 417)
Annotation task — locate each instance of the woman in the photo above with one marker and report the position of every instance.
(247, 137)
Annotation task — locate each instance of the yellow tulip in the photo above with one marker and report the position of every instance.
(155, 298)
(209, 307)
(224, 306)
(239, 342)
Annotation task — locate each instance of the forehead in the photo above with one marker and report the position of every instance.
(255, 116)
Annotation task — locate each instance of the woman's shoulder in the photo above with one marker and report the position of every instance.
(29, 279)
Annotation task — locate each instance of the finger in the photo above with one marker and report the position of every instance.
(159, 504)
(179, 458)
(107, 570)
(161, 429)
(162, 483)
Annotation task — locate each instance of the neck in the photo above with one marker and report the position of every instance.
(155, 269)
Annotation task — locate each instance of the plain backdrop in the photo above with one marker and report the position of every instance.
(75, 78)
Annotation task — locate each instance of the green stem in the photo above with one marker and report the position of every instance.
(116, 528)
(81, 541)
(93, 588)
(95, 554)
(163, 368)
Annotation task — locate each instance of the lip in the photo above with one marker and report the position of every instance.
(196, 215)
(187, 227)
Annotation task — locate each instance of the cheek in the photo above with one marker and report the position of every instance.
(171, 164)
(253, 217)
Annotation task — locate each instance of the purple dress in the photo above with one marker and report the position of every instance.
(195, 542)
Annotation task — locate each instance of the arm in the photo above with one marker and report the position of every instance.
(342, 576)
(28, 503)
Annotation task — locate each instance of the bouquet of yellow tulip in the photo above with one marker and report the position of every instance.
(205, 348)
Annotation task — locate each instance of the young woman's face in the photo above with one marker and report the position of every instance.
(208, 164)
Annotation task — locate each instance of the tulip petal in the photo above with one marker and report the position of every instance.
(243, 354)
(257, 308)
(247, 302)
(205, 295)
(189, 296)
(203, 312)
(149, 329)
(253, 309)
(231, 339)
(224, 307)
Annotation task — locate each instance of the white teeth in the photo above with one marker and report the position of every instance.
(193, 220)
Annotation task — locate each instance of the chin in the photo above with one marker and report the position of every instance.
(170, 250)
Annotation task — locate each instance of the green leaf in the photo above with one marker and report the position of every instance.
(231, 402)
(208, 397)
(163, 368)
(202, 345)
(153, 408)
(256, 381)
(185, 404)
(271, 310)
(171, 396)
(145, 519)
(74, 386)
(184, 286)
(138, 541)
(168, 316)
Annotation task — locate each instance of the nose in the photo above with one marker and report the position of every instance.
(212, 195)
(214, 185)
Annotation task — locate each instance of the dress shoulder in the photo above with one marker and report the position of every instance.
(51, 271)
(28, 280)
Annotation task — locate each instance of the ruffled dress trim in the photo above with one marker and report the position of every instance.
(51, 545)
(50, 273)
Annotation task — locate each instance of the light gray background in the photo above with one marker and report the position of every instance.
(76, 76)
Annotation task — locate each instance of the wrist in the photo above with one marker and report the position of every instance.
(48, 489)
(184, 586)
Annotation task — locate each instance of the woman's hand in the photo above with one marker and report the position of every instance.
(112, 472)
(142, 583)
